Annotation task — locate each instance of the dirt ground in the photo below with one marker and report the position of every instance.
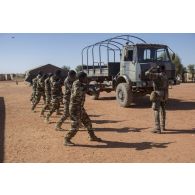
(24, 137)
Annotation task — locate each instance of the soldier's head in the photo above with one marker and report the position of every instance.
(72, 75)
(45, 76)
(57, 72)
(50, 75)
(82, 76)
(40, 73)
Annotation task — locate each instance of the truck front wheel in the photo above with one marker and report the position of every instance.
(124, 94)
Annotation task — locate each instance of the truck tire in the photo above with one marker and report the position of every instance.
(96, 95)
(124, 94)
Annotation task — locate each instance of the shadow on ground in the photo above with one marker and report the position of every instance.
(2, 128)
(174, 131)
(136, 146)
(121, 130)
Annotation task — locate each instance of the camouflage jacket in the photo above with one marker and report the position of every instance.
(78, 93)
(40, 85)
(56, 86)
(34, 82)
(67, 89)
(160, 83)
(47, 87)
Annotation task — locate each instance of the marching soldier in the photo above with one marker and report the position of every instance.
(47, 94)
(40, 91)
(56, 89)
(77, 111)
(67, 93)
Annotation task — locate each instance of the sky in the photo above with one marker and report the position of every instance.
(21, 52)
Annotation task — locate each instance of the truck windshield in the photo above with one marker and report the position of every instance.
(152, 54)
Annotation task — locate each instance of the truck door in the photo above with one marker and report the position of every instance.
(127, 65)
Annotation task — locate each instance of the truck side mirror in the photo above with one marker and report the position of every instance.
(173, 56)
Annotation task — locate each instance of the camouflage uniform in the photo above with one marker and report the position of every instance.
(67, 93)
(56, 88)
(40, 91)
(48, 96)
(78, 113)
(159, 97)
(34, 86)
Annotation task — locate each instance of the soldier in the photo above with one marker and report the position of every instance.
(40, 91)
(67, 93)
(34, 86)
(56, 88)
(47, 94)
(159, 96)
(77, 111)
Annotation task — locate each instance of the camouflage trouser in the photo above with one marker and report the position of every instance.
(38, 96)
(159, 114)
(65, 114)
(47, 104)
(32, 99)
(78, 115)
(55, 105)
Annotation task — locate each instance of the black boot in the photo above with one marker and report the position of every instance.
(93, 137)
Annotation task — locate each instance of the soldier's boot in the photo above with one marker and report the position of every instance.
(42, 113)
(47, 119)
(33, 108)
(157, 122)
(58, 126)
(93, 137)
(58, 111)
(68, 137)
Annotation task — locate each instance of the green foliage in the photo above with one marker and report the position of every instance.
(191, 70)
(79, 68)
(178, 65)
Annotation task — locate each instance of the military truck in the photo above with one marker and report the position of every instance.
(119, 64)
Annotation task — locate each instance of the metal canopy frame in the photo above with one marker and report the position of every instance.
(113, 44)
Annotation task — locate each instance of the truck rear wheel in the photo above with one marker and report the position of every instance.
(124, 94)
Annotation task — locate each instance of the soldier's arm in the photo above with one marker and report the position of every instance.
(76, 90)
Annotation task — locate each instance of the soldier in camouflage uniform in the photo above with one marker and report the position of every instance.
(47, 94)
(34, 86)
(77, 111)
(40, 91)
(56, 88)
(67, 93)
(159, 96)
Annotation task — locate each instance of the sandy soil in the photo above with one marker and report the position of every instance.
(126, 131)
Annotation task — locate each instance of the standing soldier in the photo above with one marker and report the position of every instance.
(56, 89)
(40, 91)
(77, 111)
(47, 94)
(34, 86)
(159, 96)
(67, 93)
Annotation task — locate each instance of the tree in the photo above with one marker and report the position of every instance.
(191, 70)
(178, 66)
(66, 68)
(79, 68)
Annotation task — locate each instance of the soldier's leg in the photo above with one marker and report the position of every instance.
(54, 106)
(37, 99)
(88, 125)
(162, 115)
(75, 118)
(64, 116)
(46, 107)
(156, 107)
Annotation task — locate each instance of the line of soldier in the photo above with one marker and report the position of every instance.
(75, 89)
